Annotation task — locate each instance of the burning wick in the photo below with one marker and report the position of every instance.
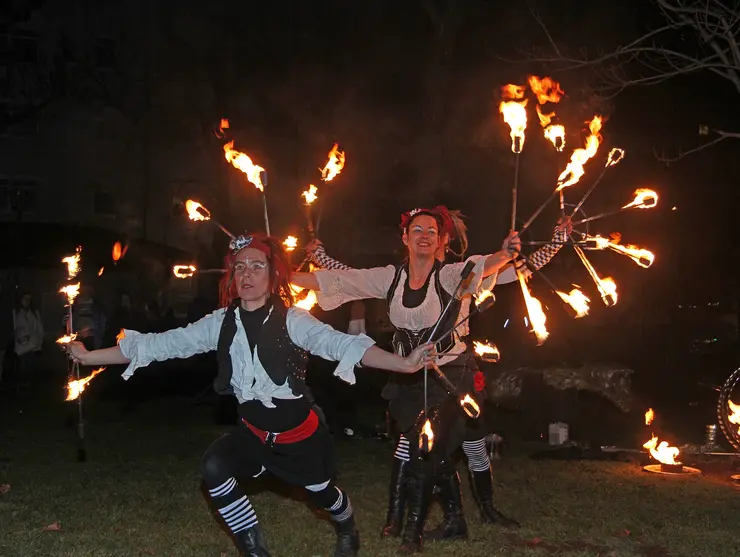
(426, 439)
(515, 115)
(469, 406)
(290, 243)
(196, 212)
(310, 194)
(644, 199)
(71, 291)
(644, 258)
(74, 388)
(534, 309)
(73, 263)
(334, 165)
(118, 251)
(487, 352)
(66, 339)
(580, 157)
(306, 301)
(242, 162)
(184, 271)
(649, 416)
(576, 300)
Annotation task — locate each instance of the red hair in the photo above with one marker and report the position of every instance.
(280, 269)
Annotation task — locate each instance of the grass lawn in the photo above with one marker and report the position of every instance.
(139, 494)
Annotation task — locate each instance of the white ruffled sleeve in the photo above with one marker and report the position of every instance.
(337, 287)
(449, 275)
(196, 338)
(321, 340)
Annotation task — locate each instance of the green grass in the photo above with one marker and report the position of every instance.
(139, 495)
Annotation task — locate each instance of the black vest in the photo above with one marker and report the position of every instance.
(405, 340)
(280, 356)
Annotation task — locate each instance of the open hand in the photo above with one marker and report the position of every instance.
(77, 352)
(312, 246)
(421, 356)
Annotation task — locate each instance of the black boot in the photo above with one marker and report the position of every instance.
(483, 491)
(397, 494)
(419, 497)
(453, 525)
(348, 539)
(251, 542)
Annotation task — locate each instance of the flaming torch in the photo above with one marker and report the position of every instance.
(515, 115)
(310, 196)
(290, 243)
(71, 291)
(547, 90)
(574, 170)
(576, 300)
(255, 174)
(644, 199)
(426, 439)
(606, 286)
(644, 258)
(196, 212)
(331, 170)
(486, 352)
(184, 271)
(469, 406)
(75, 388)
(534, 308)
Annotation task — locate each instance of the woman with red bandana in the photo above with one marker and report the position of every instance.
(417, 291)
(453, 525)
(263, 343)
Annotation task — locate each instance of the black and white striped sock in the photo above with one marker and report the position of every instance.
(233, 505)
(478, 459)
(402, 449)
(341, 510)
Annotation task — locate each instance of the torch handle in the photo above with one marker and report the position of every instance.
(267, 219)
(223, 229)
(514, 192)
(600, 216)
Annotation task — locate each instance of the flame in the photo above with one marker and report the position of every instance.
(545, 89)
(649, 416)
(308, 301)
(224, 125)
(515, 115)
(71, 291)
(644, 199)
(120, 336)
(734, 418)
(606, 286)
(644, 258)
(534, 309)
(310, 194)
(574, 170)
(577, 300)
(74, 388)
(184, 271)
(556, 135)
(512, 92)
(73, 263)
(483, 295)
(487, 351)
(663, 453)
(334, 165)
(196, 211)
(614, 157)
(427, 430)
(245, 164)
(66, 339)
(100, 272)
(290, 243)
(118, 251)
(469, 406)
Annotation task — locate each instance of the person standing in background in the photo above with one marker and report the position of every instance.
(29, 339)
(6, 323)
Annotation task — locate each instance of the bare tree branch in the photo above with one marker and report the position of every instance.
(721, 136)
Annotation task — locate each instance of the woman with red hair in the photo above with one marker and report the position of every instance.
(263, 342)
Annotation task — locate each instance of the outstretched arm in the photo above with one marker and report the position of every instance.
(542, 256)
(103, 357)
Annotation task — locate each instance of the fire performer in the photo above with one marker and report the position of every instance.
(474, 445)
(263, 345)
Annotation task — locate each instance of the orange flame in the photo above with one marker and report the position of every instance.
(118, 251)
(184, 271)
(196, 211)
(644, 258)
(100, 272)
(469, 406)
(74, 388)
(649, 416)
(73, 263)
(534, 309)
(334, 165)
(734, 418)
(245, 164)
(290, 243)
(644, 199)
(223, 126)
(512, 92)
(307, 300)
(574, 170)
(487, 352)
(663, 453)
(482, 296)
(577, 300)
(427, 430)
(515, 115)
(120, 336)
(606, 286)
(66, 339)
(71, 291)
(310, 195)
(545, 89)
(556, 135)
